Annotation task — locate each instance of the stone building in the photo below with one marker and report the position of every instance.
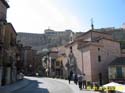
(90, 54)
(3, 11)
(20, 58)
(7, 47)
(29, 61)
(8, 59)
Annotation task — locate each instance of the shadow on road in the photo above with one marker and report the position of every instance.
(32, 87)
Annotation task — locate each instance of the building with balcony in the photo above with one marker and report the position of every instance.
(8, 48)
(8, 54)
(116, 70)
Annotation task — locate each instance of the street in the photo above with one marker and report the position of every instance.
(44, 85)
(48, 85)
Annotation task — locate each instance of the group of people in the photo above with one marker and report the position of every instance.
(78, 80)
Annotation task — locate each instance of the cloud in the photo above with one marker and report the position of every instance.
(35, 16)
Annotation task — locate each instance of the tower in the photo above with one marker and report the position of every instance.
(3, 9)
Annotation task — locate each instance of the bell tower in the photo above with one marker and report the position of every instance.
(3, 9)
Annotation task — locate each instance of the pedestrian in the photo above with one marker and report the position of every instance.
(80, 80)
(84, 81)
(71, 75)
(69, 78)
(76, 79)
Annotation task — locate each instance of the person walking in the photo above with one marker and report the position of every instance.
(80, 81)
(84, 81)
(71, 75)
(69, 78)
(76, 79)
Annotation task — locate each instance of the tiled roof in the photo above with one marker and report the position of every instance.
(118, 61)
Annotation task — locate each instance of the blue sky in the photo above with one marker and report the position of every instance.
(36, 15)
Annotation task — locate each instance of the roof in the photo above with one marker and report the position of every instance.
(81, 41)
(91, 31)
(12, 27)
(100, 38)
(76, 41)
(118, 61)
(88, 44)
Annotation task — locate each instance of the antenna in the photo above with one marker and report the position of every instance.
(92, 26)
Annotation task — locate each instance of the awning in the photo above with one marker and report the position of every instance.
(116, 86)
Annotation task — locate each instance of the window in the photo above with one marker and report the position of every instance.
(119, 72)
(99, 58)
(98, 49)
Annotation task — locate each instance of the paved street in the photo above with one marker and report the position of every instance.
(43, 85)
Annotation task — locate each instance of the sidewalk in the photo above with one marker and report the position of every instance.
(74, 87)
(15, 86)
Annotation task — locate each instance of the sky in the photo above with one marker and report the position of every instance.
(34, 16)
